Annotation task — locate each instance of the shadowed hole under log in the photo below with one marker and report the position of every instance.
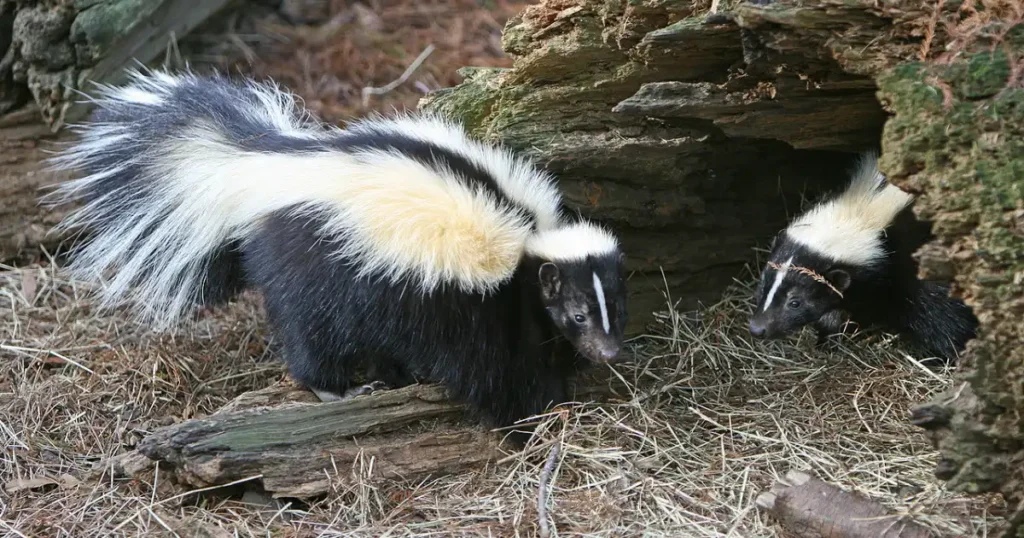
(701, 232)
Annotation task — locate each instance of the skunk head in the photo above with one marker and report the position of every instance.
(581, 276)
(797, 288)
(815, 258)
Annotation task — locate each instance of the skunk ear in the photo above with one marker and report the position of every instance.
(839, 278)
(550, 280)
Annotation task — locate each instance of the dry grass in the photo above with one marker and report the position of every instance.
(711, 419)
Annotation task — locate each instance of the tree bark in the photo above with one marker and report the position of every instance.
(297, 448)
(58, 47)
(297, 445)
(49, 50)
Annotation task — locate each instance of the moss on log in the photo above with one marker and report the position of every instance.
(634, 105)
(958, 139)
(59, 46)
(298, 448)
(49, 49)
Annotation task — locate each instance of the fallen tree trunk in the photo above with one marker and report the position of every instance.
(297, 448)
(48, 52)
(810, 508)
(55, 48)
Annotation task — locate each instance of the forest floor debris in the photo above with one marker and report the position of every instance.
(712, 419)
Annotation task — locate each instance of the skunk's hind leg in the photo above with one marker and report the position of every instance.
(327, 374)
(392, 373)
(382, 373)
(369, 388)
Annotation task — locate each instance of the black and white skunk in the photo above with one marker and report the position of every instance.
(398, 244)
(849, 259)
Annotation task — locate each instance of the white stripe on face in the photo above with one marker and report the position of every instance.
(779, 276)
(599, 289)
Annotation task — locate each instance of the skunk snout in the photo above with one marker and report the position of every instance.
(608, 354)
(758, 328)
(602, 352)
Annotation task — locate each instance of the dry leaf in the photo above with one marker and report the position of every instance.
(29, 286)
(21, 484)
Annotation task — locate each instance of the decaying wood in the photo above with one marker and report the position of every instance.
(54, 51)
(24, 223)
(57, 49)
(811, 508)
(298, 445)
(298, 448)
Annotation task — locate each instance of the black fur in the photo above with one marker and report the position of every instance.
(495, 352)
(889, 295)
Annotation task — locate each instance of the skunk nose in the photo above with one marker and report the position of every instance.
(607, 354)
(757, 329)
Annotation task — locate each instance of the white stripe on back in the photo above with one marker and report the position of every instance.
(779, 276)
(599, 289)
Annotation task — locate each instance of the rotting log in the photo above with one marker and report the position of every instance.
(958, 140)
(55, 48)
(299, 447)
(48, 51)
(811, 508)
(641, 106)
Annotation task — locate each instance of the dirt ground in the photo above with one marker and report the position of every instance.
(710, 419)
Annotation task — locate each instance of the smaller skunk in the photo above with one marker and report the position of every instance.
(849, 259)
(400, 245)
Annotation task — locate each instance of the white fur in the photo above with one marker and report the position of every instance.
(533, 189)
(599, 290)
(572, 242)
(849, 227)
(780, 275)
(399, 218)
(280, 110)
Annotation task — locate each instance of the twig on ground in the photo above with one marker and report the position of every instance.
(542, 490)
(369, 90)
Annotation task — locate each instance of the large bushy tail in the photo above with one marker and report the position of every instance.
(940, 324)
(169, 190)
(181, 170)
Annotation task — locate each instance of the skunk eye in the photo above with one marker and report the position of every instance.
(794, 304)
(580, 318)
